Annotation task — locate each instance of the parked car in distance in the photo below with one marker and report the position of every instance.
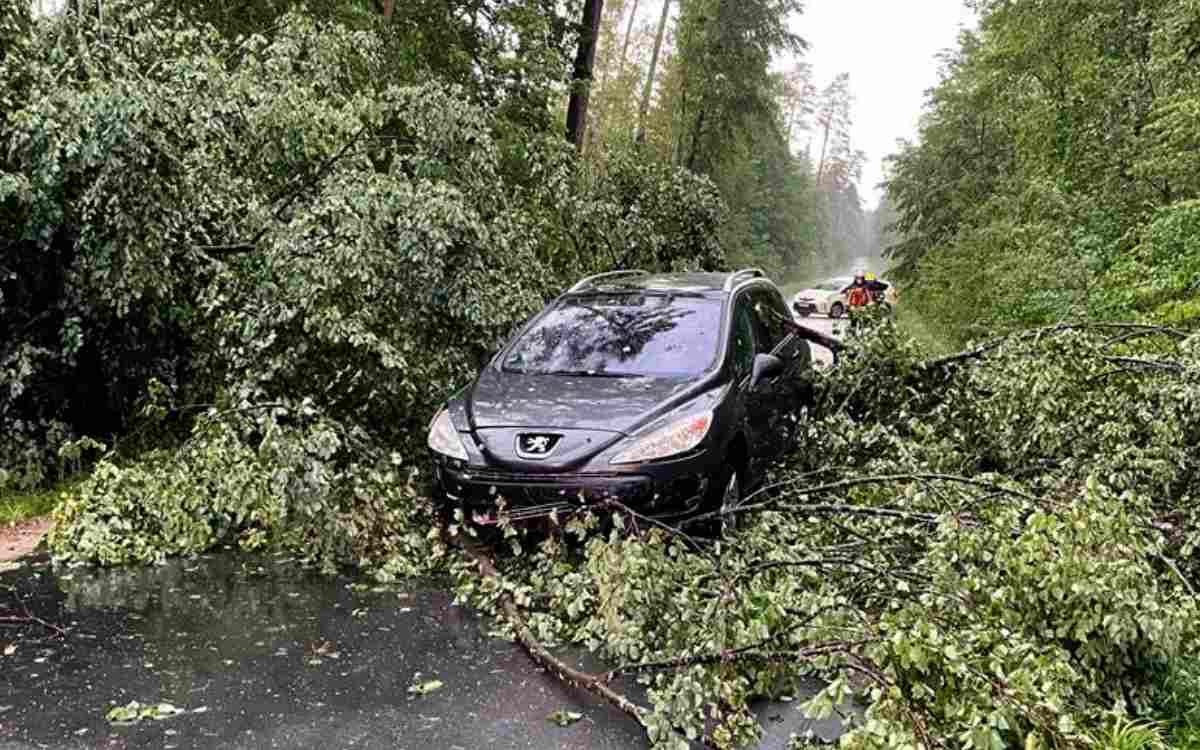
(669, 393)
(825, 298)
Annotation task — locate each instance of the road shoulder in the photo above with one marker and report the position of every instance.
(22, 538)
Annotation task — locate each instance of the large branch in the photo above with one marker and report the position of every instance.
(592, 683)
(830, 487)
(1037, 333)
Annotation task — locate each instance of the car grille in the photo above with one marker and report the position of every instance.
(532, 495)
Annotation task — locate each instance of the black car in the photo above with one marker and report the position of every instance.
(670, 393)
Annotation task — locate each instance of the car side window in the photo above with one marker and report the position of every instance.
(769, 327)
(742, 343)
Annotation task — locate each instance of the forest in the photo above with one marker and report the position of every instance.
(247, 248)
(1054, 173)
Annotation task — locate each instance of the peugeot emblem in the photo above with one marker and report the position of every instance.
(536, 445)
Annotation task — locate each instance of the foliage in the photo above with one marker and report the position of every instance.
(721, 111)
(256, 479)
(17, 506)
(1161, 275)
(1131, 735)
(246, 222)
(994, 551)
(1051, 179)
(1176, 701)
(134, 712)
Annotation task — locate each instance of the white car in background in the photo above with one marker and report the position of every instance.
(824, 298)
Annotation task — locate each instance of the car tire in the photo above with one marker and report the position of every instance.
(837, 310)
(804, 313)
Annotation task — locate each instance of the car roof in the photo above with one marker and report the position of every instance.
(695, 282)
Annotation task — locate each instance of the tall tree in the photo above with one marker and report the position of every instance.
(644, 107)
(833, 120)
(725, 51)
(628, 35)
(581, 77)
(797, 100)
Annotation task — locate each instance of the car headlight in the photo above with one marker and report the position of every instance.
(443, 438)
(679, 436)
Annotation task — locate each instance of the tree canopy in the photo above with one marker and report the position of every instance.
(1051, 177)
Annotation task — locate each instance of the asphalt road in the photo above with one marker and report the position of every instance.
(827, 326)
(262, 654)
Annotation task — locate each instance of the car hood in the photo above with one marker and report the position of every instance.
(503, 399)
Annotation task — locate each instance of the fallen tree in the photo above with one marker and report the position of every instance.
(992, 550)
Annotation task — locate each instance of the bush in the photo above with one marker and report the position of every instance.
(255, 479)
(1160, 278)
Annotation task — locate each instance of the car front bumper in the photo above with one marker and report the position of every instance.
(487, 496)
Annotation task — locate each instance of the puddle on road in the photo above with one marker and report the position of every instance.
(262, 654)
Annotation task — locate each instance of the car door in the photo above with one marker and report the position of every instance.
(776, 400)
(743, 347)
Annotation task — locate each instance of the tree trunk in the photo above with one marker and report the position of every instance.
(389, 7)
(628, 33)
(581, 78)
(821, 161)
(697, 132)
(644, 108)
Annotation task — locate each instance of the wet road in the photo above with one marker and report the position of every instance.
(827, 326)
(260, 654)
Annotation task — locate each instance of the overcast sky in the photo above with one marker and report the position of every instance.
(889, 48)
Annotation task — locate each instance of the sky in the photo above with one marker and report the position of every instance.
(889, 48)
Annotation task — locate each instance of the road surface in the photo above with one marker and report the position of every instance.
(262, 654)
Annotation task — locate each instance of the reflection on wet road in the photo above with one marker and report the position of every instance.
(261, 654)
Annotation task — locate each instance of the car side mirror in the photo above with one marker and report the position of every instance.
(765, 366)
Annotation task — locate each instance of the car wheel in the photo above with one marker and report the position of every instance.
(804, 313)
(838, 310)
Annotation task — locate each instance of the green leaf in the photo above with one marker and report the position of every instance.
(564, 718)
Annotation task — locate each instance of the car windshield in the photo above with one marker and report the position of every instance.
(832, 285)
(621, 335)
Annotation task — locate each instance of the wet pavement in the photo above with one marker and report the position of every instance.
(260, 653)
(828, 326)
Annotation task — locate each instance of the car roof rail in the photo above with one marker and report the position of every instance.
(745, 274)
(590, 281)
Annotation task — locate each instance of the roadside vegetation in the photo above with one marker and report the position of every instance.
(239, 271)
(1054, 175)
(16, 506)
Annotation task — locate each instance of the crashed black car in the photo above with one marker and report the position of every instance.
(669, 393)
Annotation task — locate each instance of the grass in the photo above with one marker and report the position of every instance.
(18, 506)
(1177, 702)
(1126, 734)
